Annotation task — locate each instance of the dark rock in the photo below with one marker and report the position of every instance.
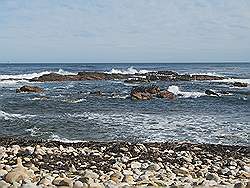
(206, 77)
(30, 89)
(166, 94)
(152, 89)
(98, 93)
(56, 77)
(145, 93)
(240, 84)
(142, 93)
(211, 92)
(144, 77)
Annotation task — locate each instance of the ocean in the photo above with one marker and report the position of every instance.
(66, 111)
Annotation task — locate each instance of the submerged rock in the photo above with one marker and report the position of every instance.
(211, 92)
(240, 84)
(30, 89)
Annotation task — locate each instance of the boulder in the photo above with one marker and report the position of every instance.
(239, 84)
(143, 93)
(152, 90)
(166, 94)
(211, 92)
(30, 89)
(17, 174)
(98, 93)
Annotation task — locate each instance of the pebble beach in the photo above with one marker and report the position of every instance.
(39, 163)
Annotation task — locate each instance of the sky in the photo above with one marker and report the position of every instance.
(124, 30)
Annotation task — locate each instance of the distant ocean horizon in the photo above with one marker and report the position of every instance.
(69, 113)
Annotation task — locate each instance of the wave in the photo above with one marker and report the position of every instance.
(9, 116)
(129, 70)
(12, 79)
(208, 74)
(232, 80)
(33, 131)
(55, 137)
(186, 94)
(119, 97)
(74, 101)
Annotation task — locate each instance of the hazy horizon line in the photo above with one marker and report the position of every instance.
(116, 62)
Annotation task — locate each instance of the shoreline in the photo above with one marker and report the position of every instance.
(122, 164)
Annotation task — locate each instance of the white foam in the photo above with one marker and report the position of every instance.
(208, 74)
(33, 131)
(9, 116)
(63, 72)
(74, 101)
(130, 70)
(12, 79)
(232, 80)
(191, 94)
(55, 137)
(119, 97)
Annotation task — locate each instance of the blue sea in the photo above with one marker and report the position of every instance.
(67, 112)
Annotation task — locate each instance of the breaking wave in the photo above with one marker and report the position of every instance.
(9, 116)
(12, 79)
(129, 70)
(55, 137)
(232, 80)
(74, 101)
(208, 74)
(186, 94)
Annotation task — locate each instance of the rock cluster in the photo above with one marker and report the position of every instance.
(29, 89)
(130, 78)
(146, 93)
(240, 84)
(121, 164)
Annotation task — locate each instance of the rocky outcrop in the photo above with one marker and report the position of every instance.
(211, 92)
(129, 78)
(140, 93)
(29, 89)
(239, 84)
(146, 93)
(97, 93)
(166, 94)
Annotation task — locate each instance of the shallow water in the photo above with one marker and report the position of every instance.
(70, 113)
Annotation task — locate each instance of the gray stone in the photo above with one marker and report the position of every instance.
(135, 164)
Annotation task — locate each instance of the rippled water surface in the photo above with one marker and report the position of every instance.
(66, 111)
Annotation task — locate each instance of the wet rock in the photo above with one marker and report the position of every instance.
(140, 95)
(211, 92)
(239, 84)
(166, 94)
(29, 89)
(97, 93)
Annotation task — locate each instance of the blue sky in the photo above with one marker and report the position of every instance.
(124, 30)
